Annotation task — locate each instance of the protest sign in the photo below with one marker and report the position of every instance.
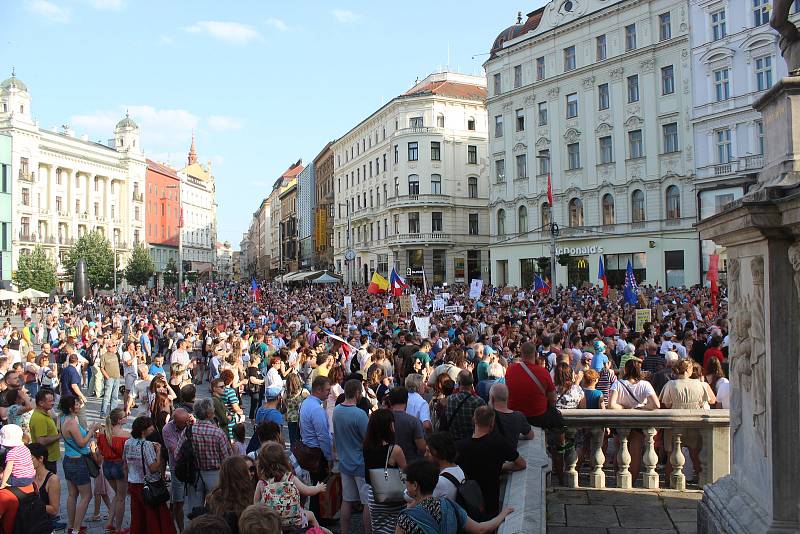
(642, 316)
(423, 325)
(438, 305)
(475, 288)
(405, 304)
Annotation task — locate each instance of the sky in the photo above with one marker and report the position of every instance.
(260, 83)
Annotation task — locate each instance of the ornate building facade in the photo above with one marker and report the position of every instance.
(199, 205)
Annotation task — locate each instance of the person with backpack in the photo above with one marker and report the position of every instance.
(49, 485)
(442, 450)
(175, 431)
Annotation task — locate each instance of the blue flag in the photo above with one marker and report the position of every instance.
(631, 289)
(253, 284)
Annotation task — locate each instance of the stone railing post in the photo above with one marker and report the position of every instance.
(715, 456)
(649, 460)
(678, 479)
(624, 460)
(570, 459)
(597, 479)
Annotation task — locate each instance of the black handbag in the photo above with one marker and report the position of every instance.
(154, 493)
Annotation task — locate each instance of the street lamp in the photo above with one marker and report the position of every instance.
(180, 244)
(349, 254)
(553, 230)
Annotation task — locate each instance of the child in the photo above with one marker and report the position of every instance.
(239, 445)
(279, 489)
(19, 471)
(594, 398)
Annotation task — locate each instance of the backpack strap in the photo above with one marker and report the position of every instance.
(449, 420)
(534, 378)
(451, 477)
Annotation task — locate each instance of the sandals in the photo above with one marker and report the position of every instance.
(98, 517)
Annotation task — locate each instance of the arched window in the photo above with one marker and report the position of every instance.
(575, 212)
(637, 206)
(545, 216)
(608, 209)
(472, 186)
(501, 222)
(673, 202)
(413, 184)
(522, 220)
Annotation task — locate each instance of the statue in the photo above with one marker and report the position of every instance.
(790, 36)
(80, 283)
(758, 354)
(794, 259)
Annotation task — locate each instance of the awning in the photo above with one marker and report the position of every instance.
(326, 278)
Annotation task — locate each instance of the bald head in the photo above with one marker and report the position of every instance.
(181, 417)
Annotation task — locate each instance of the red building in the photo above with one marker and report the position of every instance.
(162, 213)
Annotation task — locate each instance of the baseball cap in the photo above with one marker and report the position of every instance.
(273, 392)
(668, 334)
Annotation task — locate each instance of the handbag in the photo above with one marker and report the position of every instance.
(154, 493)
(91, 465)
(388, 483)
(309, 458)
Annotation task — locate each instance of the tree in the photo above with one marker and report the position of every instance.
(96, 250)
(35, 270)
(171, 272)
(140, 267)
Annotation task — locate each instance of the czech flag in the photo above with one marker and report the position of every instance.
(540, 285)
(397, 284)
(601, 275)
(378, 284)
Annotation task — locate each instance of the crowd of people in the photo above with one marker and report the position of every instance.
(293, 413)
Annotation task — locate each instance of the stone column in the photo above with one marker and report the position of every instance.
(761, 232)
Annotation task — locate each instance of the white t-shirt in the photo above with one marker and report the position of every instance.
(417, 407)
(641, 390)
(445, 488)
(723, 392)
(181, 357)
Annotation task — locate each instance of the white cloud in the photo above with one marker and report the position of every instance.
(231, 32)
(50, 11)
(277, 24)
(107, 5)
(165, 40)
(224, 124)
(344, 16)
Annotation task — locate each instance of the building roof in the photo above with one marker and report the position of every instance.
(520, 28)
(293, 170)
(13, 82)
(126, 122)
(162, 169)
(450, 89)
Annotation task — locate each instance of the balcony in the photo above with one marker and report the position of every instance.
(744, 165)
(418, 201)
(363, 213)
(26, 176)
(428, 238)
(418, 130)
(27, 237)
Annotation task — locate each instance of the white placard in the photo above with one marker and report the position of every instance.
(390, 305)
(521, 295)
(348, 300)
(423, 325)
(446, 296)
(451, 309)
(507, 297)
(475, 288)
(414, 304)
(438, 305)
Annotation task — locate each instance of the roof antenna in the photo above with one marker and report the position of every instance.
(519, 17)
(13, 73)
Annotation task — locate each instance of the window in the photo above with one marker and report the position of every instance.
(670, 132)
(59, 206)
(602, 96)
(673, 202)
(764, 73)
(630, 37)
(721, 85)
(724, 147)
(396, 154)
(718, 25)
(616, 266)
(4, 172)
(542, 113)
(436, 221)
(25, 226)
(569, 58)
(471, 124)
(501, 222)
(396, 222)
(26, 196)
(760, 136)
(472, 154)
(572, 105)
(573, 156)
(473, 224)
(544, 161)
(436, 151)
(96, 184)
(760, 12)
(498, 83)
(436, 184)
(667, 80)
(633, 88)
(608, 209)
(498, 126)
(540, 74)
(396, 186)
(517, 76)
(545, 215)
(413, 222)
(664, 27)
(440, 121)
(413, 151)
(601, 53)
(415, 122)
(674, 266)
(575, 213)
(522, 166)
(606, 150)
(635, 144)
(637, 206)
(413, 184)
(472, 187)
(520, 120)
(500, 171)
(522, 220)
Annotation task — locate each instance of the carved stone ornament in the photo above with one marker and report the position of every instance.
(616, 73)
(758, 356)
(542, 142)
(530, 100)
(647, 65)
(603, 117)
(633, 109)
(552, 92)
(794, 259)
(633, 122)
(507, 105)
(519, 147)
(603, 128)
(588, 83)
(572, 135)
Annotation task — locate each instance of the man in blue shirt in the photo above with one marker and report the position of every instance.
(349, 428)
(157, 367)
(71, 378)
(269, 411)
(314, 431)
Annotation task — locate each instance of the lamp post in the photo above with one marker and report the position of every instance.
(180, 245)
(349, 254)
(553, 231)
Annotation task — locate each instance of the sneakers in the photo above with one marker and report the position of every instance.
(567, 446)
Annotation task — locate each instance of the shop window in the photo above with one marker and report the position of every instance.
(673, 263)
(617, 264)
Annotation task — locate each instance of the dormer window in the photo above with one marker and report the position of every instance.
(121, 141)
(5, 107)
(21, 108)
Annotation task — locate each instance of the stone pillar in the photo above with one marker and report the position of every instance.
(761, 233)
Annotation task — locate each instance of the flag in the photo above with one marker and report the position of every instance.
(631, 289)
(396, 283)
(378, 284)
(713, 276)
(253, 284)
(601, 275)
(540, 285)
(549, 189)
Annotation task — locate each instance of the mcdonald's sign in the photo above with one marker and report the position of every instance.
(582, 263)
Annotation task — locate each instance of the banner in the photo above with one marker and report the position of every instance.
(642, 316)
(445, 296)
(405, 303)
(507, 296)
(452, 309)
(521, 295)
(414, 304)
(348, 300)
(438, 305)
(475, 288)
(423, 325)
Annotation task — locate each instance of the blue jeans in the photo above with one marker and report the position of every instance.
(110, 395)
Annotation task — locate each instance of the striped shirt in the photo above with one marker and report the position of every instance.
(229, 398)
(23, 462)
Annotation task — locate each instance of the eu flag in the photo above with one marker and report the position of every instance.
(631, 289)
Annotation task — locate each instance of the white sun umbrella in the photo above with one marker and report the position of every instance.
(6, 294)
(32, 293)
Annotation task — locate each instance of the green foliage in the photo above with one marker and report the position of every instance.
(35, 270)
(140, 267)
(171, 272)
(99, 256)
(543, 263)
(563, 259)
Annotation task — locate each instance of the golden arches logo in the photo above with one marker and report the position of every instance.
(582, 264)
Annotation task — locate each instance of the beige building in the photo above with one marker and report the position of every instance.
(412, 179)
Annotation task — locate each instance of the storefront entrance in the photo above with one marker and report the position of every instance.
(578, 271)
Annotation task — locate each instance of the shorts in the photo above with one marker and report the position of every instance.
(129, 382)
(75, 470)
(112, 470)
(177, 490)
(354, 489)
(551, 419)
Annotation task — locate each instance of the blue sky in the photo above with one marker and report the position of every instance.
(262, 84)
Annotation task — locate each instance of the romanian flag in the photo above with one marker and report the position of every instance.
(601, 275)
(397, 284)
(378, 284)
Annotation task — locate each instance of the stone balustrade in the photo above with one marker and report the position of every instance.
(713, 426)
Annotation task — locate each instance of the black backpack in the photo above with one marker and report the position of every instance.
(469, 496)
(186, 469)
(32, 517)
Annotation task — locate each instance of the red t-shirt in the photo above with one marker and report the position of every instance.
(523, 393)
(713, 352)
